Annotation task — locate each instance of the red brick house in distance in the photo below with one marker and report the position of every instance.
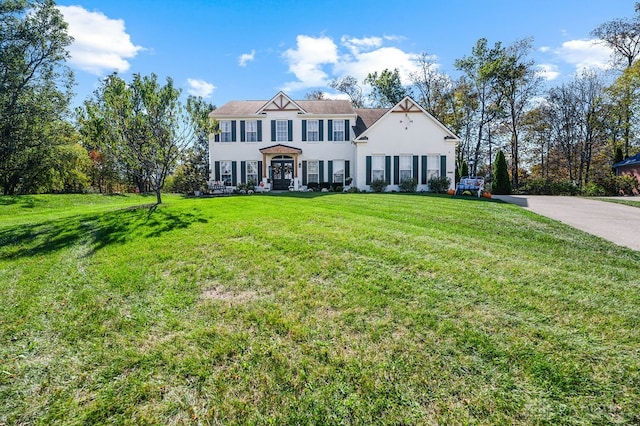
(630, 166)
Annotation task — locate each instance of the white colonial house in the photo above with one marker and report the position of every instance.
(282, 144)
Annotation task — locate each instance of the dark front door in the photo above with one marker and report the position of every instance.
(281, 174)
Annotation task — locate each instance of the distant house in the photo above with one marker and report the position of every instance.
(284, 144)
(630, 166)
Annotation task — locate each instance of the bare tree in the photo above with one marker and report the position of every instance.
(349, 86)
(434, 87)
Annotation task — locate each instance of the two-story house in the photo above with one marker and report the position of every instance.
(284, 144)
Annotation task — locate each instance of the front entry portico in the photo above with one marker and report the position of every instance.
(283, 170)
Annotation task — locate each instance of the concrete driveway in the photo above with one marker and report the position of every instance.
(614, 222)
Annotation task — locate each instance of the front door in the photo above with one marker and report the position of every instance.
(281, 174)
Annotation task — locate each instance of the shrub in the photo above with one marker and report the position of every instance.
(592, 189)
(313, 186)
(353, 189)
(541, 186)
(408, 185)
(325, 185)
(439, 185)
(616, 185)
(378, 185)
(501, 183)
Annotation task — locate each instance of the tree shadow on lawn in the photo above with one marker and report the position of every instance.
(98, 231)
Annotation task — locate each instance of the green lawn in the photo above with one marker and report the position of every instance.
(311, 309)
(633, 202)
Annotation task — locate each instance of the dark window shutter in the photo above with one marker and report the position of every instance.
(290, 130)
(233, 130)
(234, 173)
(415, 168)
(346, 130)
(330, 172)
(396, 169)
(273, 130)
(321, 130)
(259, 130)
(387, 168)
(424, 170)
(443, 166)
(330, 130)
(321, 171)
(304, 172)
(243, 171)
(368, 170)
(242, 132)
(216, 129)
(304, 131)
(347, 171)
(259, 172)
(217, 169)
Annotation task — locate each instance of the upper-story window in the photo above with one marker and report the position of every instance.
(251, 131)
(282, 131)
(225, 131)
(338, 130)
(312, 131)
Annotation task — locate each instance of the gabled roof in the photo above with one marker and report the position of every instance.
(366, 118)
(249, 108)
(280, 149)
(280, 102)
(631, 161)
(406, 106)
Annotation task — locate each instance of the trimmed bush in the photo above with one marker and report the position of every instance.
(439, 185)
(408, 185)
(378, 185)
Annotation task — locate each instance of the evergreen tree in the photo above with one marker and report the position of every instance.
(501, 184)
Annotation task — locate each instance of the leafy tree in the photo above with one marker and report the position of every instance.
(349, 86)
(144, 127)
(195, 169)
(618, 156)
(464, 170)
(435, 89)
(518, 83)
(483, 70)
(623, 37)
(35, 89)
(387, 89)
(501, 184)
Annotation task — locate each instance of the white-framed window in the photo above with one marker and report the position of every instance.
(251, 131)
(406, 167)
(312, 131)
(313, 172)
(338, 130)
(338, 171)
(377, 167)
(252, 172)
(226, 172)
(225, 131)
(433, 166)
(282, 131)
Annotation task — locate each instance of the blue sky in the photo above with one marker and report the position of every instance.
(234, 50)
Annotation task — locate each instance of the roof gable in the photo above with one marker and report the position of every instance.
(407, 107)
(281, 102)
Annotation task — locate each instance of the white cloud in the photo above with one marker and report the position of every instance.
(100, 44)
(544, 49)
(246, 57)
(355, 45)
(307, 60)
(200, 87)
(548, 71)
(585, 54)
(317, 59)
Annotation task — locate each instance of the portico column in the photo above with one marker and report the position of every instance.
(264, 165)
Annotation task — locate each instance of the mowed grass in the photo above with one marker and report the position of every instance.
(311, 309)
(630, 202)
